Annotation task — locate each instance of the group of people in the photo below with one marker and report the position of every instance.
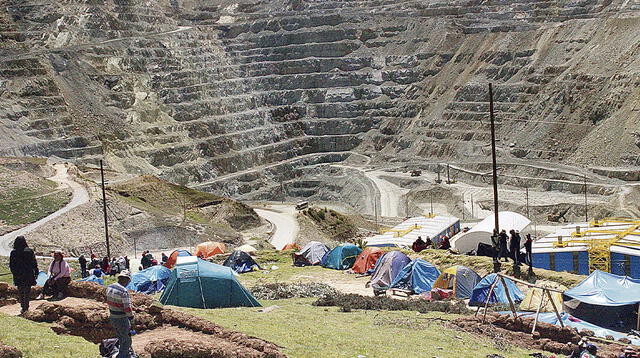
(508, 246)
(420, 244)
(105, 266)
(147, 260)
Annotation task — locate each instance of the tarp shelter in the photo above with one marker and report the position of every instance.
(92, 278)
(248, 249)
(173, 258)
(460, 279)
(240, 262)
(311, 254)
(210, 248)
(291, 246)
(405, 233)
(387, 269)
(499, 294)
(198, 283)
(367, 260)
(534, 296)
(417, 276)
(481, 233)
(341, 257)
(605, 299)
(149, 280)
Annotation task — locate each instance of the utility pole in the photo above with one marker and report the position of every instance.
(472, 214)
(282, 190)
(438, 181)
(463, 206)
(104, 210)
(527, 194)
(431, 204)
(586, 210)
(493, 158)
(448, 178)
(375, 211)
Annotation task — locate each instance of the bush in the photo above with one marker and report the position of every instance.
(351, 301)
(280, 291)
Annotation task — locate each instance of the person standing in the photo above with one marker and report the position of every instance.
(121, 312)
(127, 263)
(165, 258)
(145, 261)
(59, 277)
(83, 266)
(503, 246)
(514, 247)
(24, 268)
(528, 246)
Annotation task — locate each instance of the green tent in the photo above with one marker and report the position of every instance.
(342, 257)
(201, 284)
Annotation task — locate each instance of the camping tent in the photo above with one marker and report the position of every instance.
(240, 262)
(174, 257)
(417, 276)
(387, 269)
(291, 246)
(460, 279)
(532, 298)
(210, 248)
(605, 299)
(198, 283)
(92, 278)
(149, 280)
(311, 254)
(341, 257)
(499, 294)
(248, 249)
(481, 233)
(367, 259)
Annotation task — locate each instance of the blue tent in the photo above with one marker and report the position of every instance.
(149, 280)
(92, 278)
(499, 295)
(386, 269)
(241, 262)
(605, 289)
(418, 276)
(201, 284)
(342, 257)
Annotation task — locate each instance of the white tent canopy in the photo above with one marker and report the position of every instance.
(405, 233)
(481, 233)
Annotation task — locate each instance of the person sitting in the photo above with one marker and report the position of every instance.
(114, 268)
(165, 258)
(145, 261)
(428, 244)
(96, 271)
(59, 277)
(418, 245)
(445, 244)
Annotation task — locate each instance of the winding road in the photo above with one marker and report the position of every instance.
(80, 197)
(283, 218)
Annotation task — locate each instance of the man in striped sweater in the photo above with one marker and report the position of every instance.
(121, 312)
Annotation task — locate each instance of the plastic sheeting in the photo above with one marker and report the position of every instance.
(93, 278)
(149, 280)
(418, 276)
(499, 294)
(605, 289)
(311, 254)
(342, 257)
(42, 278)
(535, 295)
(386, 270)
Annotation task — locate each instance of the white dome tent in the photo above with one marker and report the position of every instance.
(481, 233)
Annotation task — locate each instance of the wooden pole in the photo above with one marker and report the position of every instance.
(527, 193)
(486, 303)
(535, 320)
(448, 178)
(104, 210)
(586, 210)
(638, 325)
(511, 304)
(463, 206)
(555, 309)
(431, 199)
(493, 158)
(375, 211)
(472, 214)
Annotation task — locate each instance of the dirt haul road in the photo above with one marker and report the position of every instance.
(80, 197)
(283, 218)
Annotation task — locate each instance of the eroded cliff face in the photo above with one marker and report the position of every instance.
(202, 91)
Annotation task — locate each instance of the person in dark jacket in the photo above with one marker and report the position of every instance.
(83, 266)
(24, 267)
(504, 252)
(514, 246)
(528, 245)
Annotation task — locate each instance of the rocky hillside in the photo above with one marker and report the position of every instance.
(211, 92)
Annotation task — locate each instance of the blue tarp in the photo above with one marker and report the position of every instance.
(93, 278)
(499, 295)
(42, 278)
(417, 276)
(572, 321)
(149, 280)
(342, 257)
(605, 289)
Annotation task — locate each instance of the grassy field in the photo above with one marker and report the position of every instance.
(304, 331)
(37, 340)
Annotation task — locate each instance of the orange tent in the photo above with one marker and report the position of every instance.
(292, 246)
(210, 248)
(367, 259)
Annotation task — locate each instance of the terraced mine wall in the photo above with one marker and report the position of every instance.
(214, 91)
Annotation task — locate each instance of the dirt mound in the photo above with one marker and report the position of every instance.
(9, 352)
(85, 314)
(382, 303)
(505, 330)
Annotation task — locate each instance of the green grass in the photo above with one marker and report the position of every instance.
(24, 206)
(307, 331)
(37, 340)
